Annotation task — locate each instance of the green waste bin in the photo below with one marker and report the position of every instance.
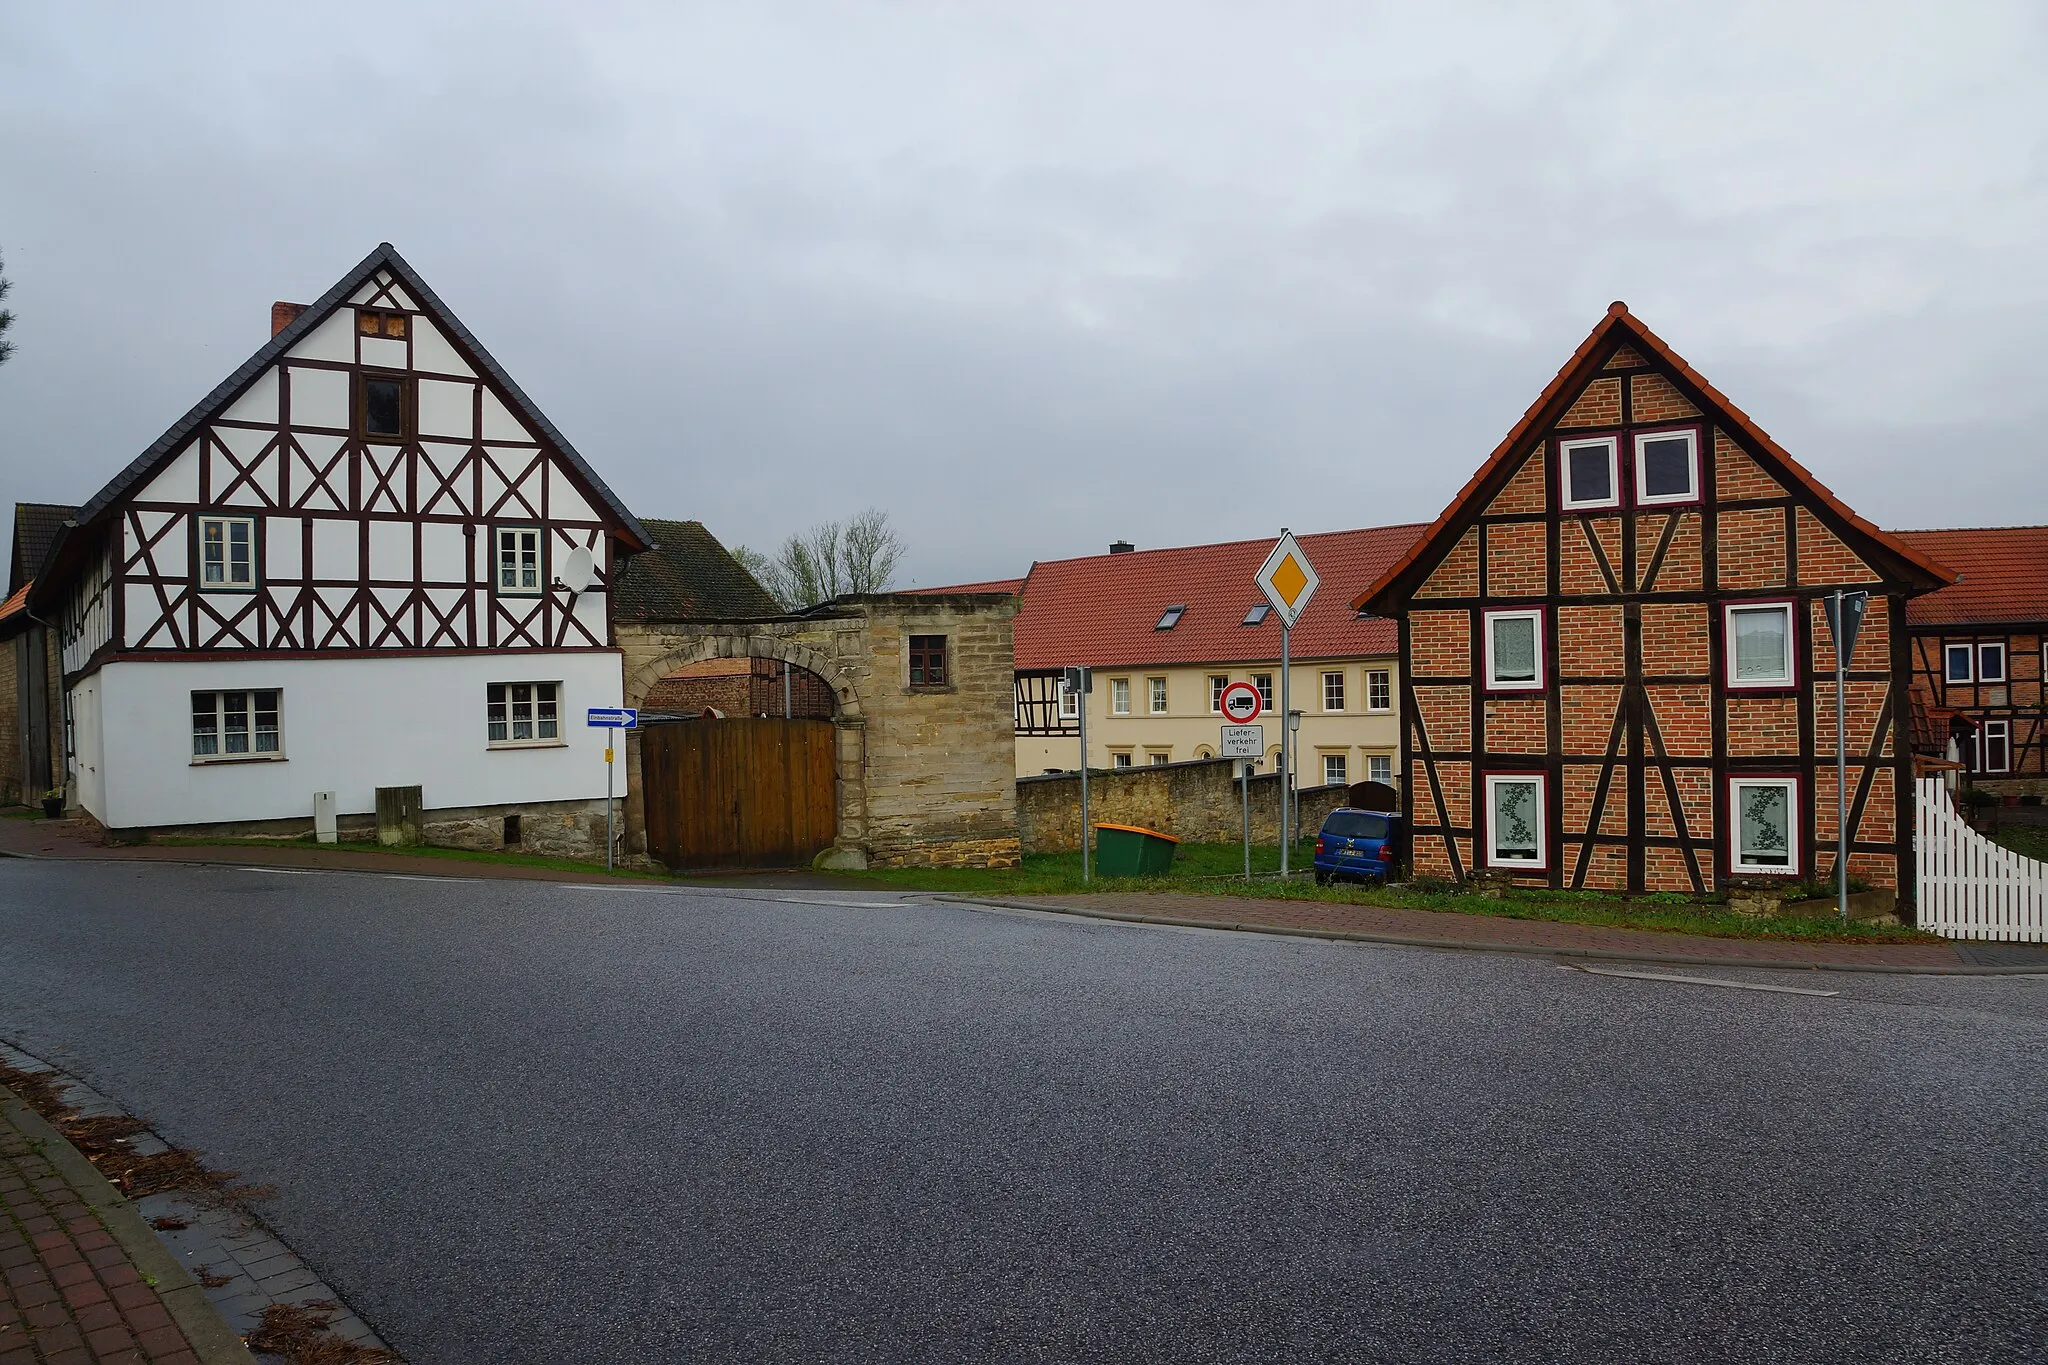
(1131, 851)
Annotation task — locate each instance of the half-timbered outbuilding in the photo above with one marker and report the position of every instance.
(1980, 650)
(1613, 653)
(365, 560)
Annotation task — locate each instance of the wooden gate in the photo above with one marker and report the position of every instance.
(738, 792)
(1969, 887)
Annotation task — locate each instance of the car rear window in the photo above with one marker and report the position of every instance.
(1356, 824)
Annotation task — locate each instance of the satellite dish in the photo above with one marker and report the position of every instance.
(578, 573)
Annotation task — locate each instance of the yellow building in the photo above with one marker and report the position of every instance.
(1164, 631)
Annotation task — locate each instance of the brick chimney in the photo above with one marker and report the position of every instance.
(283, 315)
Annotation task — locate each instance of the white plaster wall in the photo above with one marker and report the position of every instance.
(87, 765)
(350, 726)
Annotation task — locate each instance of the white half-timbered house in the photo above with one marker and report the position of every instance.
(365, 560)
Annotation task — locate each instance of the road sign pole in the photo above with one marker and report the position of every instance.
(1244, 782)
(1841, 761)
(609, 736)
(1084, 779)
(1286, 662)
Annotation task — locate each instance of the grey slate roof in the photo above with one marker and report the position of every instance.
(35, 530)
(687, 576)
(384, 257)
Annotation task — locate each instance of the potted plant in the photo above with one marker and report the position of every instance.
(53, 804)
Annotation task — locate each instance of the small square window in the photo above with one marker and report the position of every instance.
(1765, 814)
(1217, 682)
(1379, 768)
(1991, 662)
(519, 566)
(1119, 696)
(227, 554)
(1120, 760)
(1956, 663)
(1333, 691)
(1760, 645)
(927, 661)
(1334, 766)
(1667, 467)
(1070, 702)
(1514, 651)
(523, 713)
(1170, 618)
(241, 724)
(1514, 822)
(1264, 682)
(1379, 690)
(376, 324)
(1591, 473)
(1159, 758)
(1156, 689)
(1257, 615)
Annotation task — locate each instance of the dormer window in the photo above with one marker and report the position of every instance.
(370, 323)
(1170, 618)
(1257, 615)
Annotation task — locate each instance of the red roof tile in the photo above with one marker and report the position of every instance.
(1551, 400)
(2003, 575)
(1104, 610)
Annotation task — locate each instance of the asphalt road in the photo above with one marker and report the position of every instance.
(525, 1122)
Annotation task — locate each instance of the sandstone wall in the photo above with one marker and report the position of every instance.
(1197, 802)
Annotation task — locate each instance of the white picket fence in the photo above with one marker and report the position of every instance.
(1968, 886)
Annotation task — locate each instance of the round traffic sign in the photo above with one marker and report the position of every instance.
(1242, 703)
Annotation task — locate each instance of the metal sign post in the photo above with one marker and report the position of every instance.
(1289, 581)
(1245, 742)
(1079, 682)
(610, 719)
(1845, 618)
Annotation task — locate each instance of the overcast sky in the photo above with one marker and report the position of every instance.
(1033, 277)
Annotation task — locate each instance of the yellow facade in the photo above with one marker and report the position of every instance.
(1166, 714)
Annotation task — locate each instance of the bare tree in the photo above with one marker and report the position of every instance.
(6, 316)
(830, 560)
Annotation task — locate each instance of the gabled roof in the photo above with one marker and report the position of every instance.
(385, 257)
(14, 612)
(687, 576)
(1104, 610)
(1620, 326)
(35, 530)
(2002, 575)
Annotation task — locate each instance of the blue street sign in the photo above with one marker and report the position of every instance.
(613, 718)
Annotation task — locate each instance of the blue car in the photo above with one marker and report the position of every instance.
(1361, 844)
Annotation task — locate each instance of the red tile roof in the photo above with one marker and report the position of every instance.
(2003, 575)
(1551, 401)
(993, 585)
(14, 612)
(1103, 610)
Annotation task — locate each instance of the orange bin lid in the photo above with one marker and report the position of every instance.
(1140, 829)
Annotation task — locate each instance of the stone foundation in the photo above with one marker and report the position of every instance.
(1000, 852)
(551, 829)
(1197, 801)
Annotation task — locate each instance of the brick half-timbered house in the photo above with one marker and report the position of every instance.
(365, 560)
(1616, 667)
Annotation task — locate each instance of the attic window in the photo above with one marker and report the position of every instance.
(1170, 618)
(374, 324)
(1257, 615)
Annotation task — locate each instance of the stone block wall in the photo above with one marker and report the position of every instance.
(1197, 802)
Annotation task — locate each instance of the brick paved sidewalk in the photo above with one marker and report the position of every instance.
(74, 1292)
(1451, 929)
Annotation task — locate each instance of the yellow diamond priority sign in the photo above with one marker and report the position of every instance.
(1287, 579)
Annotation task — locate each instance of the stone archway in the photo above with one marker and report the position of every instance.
(772, 641)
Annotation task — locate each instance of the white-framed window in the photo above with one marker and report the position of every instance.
(1334, 768)
(523, 713)
(1120, 759)
(1159, 758)
(1764, 812)
(1380, 768)
(227, 553)
(1217, 682)
(1667, 467)
(1991, 662)
(1514, 821)
(1379, 689)
(1994, 747)
(1957, 663)
(242, 724)
(1070, 702)
(1514, 650)
(1333, 691)
(518, 559)
(1155, 689)
(1264, 682)
(1760, 644)
(1119, 696)
(1592, 472)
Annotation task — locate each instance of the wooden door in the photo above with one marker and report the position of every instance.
(738, 792)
